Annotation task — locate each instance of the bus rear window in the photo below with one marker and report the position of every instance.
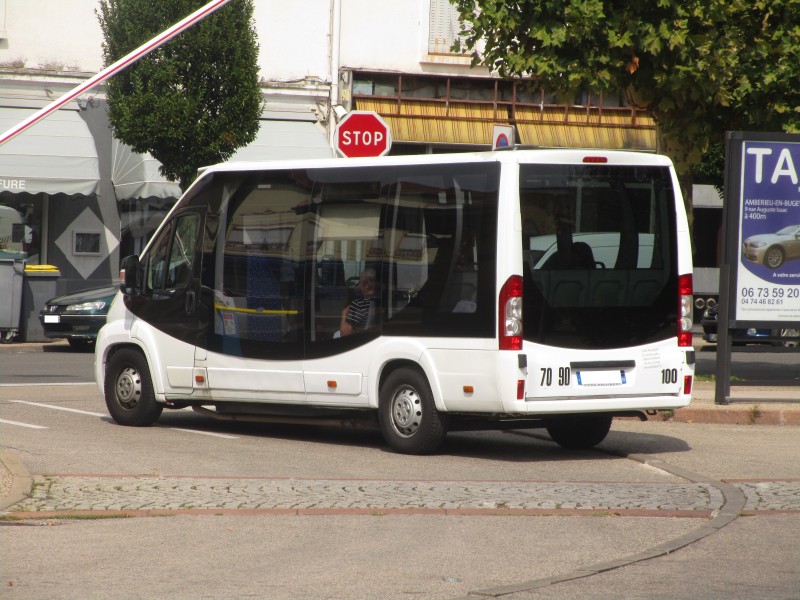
(599, 251)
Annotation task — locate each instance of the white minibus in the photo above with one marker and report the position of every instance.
(517, 288)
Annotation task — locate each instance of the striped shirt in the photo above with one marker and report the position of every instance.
(361, 313)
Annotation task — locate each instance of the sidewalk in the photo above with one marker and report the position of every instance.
(751, 405)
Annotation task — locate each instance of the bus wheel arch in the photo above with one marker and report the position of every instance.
(409, 420)
(579, 431)
(128, 388)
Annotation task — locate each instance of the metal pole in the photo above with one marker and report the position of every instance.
(115, 68)
(722, 386)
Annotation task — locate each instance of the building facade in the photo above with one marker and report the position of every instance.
(77, 198)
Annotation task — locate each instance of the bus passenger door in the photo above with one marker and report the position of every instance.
(168, 305)
(344, 297)
(251, 346)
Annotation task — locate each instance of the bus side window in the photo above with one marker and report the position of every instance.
(156, 262)
(181, 259)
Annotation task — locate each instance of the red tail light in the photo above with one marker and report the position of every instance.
(510, 314)
(685, 310)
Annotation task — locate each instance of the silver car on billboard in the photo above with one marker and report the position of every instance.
(773, 249)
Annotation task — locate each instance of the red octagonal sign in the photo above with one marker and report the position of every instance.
(363, 133)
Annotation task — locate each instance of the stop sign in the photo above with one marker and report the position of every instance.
(363, 133)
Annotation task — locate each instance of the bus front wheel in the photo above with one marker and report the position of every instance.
(409, 420)
(129, 390)
(579, 432)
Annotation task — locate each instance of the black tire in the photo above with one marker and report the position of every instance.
(129, 390)
(774, 257)
(407, 412)
(579, 432)
(81, 345)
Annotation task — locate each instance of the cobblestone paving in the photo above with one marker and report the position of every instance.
(771, 495)
(152, 493)
(66, 493)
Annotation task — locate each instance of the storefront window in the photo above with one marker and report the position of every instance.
(21, 225)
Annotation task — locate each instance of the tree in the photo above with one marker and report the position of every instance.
(196, 99)
(698, 66)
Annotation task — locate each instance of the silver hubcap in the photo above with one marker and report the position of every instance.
(774, 258)
(129, 387)
(406, 411)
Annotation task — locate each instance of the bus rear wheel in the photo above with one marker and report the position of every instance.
(409, 420)
(579, 432)
(129, 390)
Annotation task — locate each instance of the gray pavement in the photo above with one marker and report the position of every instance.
(286, 537)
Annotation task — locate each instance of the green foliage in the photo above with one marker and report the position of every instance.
(194, 101)
(700, 67)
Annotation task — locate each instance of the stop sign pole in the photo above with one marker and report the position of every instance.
(362, 133)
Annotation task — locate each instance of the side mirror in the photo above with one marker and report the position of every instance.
(129, 276)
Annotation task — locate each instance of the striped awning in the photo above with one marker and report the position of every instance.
(579, 127)
(432, 122)
(438, 122)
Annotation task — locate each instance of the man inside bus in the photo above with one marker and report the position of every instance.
(360, 313)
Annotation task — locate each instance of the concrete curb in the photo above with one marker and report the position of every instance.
(754, 414)
(25, 347)
(21, 482)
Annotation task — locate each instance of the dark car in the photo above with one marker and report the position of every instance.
(78, 316)
(747, 336)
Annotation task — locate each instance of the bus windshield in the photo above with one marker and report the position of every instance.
(599, 249)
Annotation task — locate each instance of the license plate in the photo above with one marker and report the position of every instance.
(52, 319)
(615, 377)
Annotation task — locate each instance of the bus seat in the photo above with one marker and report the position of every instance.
(644, 292)
(608, 292)
(567, 291)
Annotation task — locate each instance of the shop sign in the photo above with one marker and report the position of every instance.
(12, 185)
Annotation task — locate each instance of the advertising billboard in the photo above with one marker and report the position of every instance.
(760, 270)
(762, 229)
(768, 265)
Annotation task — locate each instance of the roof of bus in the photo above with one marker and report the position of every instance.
(522, 155)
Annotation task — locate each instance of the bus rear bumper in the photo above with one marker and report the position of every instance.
(562, 405)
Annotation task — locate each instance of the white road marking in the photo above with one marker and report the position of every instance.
(18, 424)
(219, 435)
(64, 408)
(94, 414)
(51, 384)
